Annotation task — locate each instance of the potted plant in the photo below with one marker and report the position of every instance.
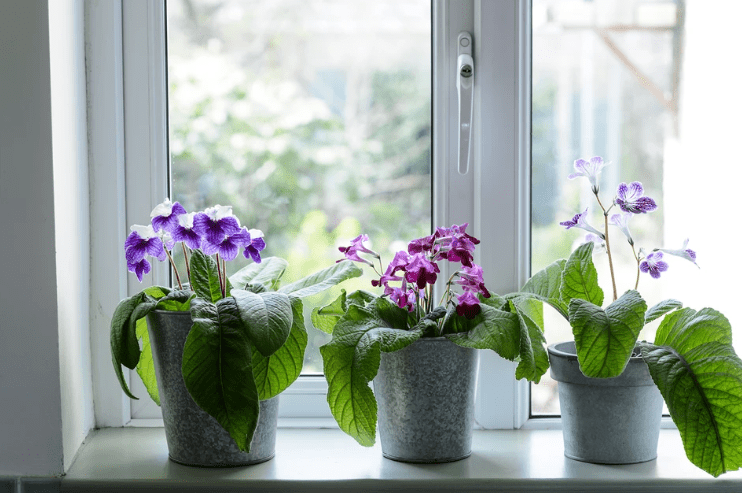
(215, 350)
(610, 406)
(420, 355)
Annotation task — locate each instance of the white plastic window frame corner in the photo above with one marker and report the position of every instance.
(127, 71)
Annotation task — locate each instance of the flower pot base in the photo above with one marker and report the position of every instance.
(442, 460)
(606, 463)
(220, 465)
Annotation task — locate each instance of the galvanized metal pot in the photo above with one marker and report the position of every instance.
(606, 420)
(194, 438)
(425, 394)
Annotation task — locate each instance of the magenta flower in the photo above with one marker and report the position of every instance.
(420, 245)
(683, 252)
(143, 241)
(398, 263)
(356, 245)
(622, 222)
(590, 170)
(403, 297)
(472, 279)
(468, 305)
(165, 215)
(139, 268)
(184, 231)
(215, 223)
(580, 221)
(653, 264)
(630, 199)
(421, 271)
(255, 246)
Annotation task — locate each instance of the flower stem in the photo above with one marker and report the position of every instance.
(447, 292)
(175, 269)
(608, 247)
(219, 273)
(638, 263)
(224, 275)
(188, 267)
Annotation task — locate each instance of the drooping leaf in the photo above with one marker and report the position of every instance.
(321, 280)
(205, 277)
(176, 301)
(267, 318)
(495, 301)
(146, 366)
(266, 273)
(274, 373)
(533, 358)
(660, 309)
(546, 286)
(702, 387)
(579, 277)
(325, 317)
(687, 328)
(493, 329)
(351, 361)
(217, 368)
(606, 339)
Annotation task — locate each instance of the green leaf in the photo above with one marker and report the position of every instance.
(205, 277)
(267, 318)
(606, 339)
(146, 366)
(176, 301)
(321, 280)
(324, 318)
(533, 357)
(266, 273)
(580, 279)
(546, 286)
(351, 361)
(493, 329)
(274, 373)
(702, 387)
(687, 328)
(217, 368)
(660, 309)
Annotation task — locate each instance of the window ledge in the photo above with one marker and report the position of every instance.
(307, 460)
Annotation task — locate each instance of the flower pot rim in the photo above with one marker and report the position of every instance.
(174, 312)
(566, 350)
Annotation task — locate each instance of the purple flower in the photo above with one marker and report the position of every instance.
(228, 246)
(398, 263)
(403, 297)
(356, 245)
(622, 222)
(215, 223)
(421, 271)
(143, 241)
(421, 245)
(630, 199)
(472, 279)
(590, 170)
(256, 245)
(184, 231)
(139, 268)
(653, 264)
(468, 305)
(580, 221)
(683, 252)
(165, 216)
(598, 242)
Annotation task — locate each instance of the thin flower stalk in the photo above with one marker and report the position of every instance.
(608, 247)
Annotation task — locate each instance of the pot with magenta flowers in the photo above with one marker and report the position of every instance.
(215, 351)
(420, 355)
(611, 385)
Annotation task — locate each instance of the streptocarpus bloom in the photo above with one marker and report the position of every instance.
(356, 245)
(403, 297)
(622, 222)
(468, 305)
(421, 271)
(228, 246)
(630, 198)
(580, 221)
(184, 231)
(653, 264)
(472, 279)
(683, 252)
(420, 245)
(398, 263)
(139, 268)
(256, 245)
(143, 241)
(215, 223)
(597, 241)
(590, 170)
(165, 215)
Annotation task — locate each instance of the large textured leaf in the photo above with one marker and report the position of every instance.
(702, 387)
(267, 273)
(660, 309)
(493, 329)
(687, 328)
(146, 366)
(579, 277)
(606, 339)
(321, 280)
(205, 277)
(533, 360)
(546, 286)
(274, 373)
(326, 317)
(217, 368)
(351, 361)
(267, 318)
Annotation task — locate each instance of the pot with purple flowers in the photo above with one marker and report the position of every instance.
(612, 386)
(215, 350)
(420, 355)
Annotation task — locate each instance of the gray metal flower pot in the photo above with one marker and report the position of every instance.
(606, 420)
(425, 394)
(194, 438)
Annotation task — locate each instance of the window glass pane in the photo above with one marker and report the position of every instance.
(645, 85)
(310, 118)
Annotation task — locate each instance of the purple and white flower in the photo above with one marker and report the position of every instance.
(597, 241)
(184, 231)
(580, 221)
(215, 223)
(229, 245)
(165, 215)
(143, 241)
(653, 264)
(630, 198)
(590, 170)
(622, 222)
(139, 268)
(683, 252)
(255, 246)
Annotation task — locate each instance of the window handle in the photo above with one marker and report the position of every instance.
(465, 88)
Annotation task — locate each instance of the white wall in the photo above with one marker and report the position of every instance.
(30, 403)
(71, 204)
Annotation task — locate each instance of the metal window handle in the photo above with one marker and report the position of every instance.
(465, 89)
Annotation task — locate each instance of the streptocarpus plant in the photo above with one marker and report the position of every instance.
(691, 361)
(241, 318)
(363, 324)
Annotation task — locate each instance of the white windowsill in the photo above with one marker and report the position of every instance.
(135, 459)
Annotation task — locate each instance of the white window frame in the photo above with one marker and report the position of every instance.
(129, 161)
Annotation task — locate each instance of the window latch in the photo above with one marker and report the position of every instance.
(465, 89)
